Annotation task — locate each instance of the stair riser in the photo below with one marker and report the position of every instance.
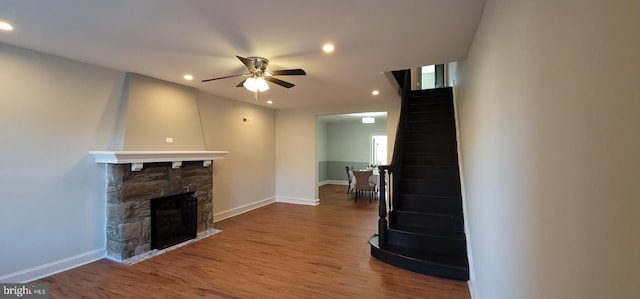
(419, 266)
(437, 188)
(430, 173)
(430, 147)
(439, 116)
(431, 160)
(432, 95)
(427, 243)
(448, 136)
(418, 105)
(426, 221)
(431, 125)
(429, 205)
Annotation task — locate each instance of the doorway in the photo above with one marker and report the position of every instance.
(379, 150)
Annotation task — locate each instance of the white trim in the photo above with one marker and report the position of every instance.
(463, 193)
(343, 183)
(138, 158)
(333, 182)
(54, 267)
(473, 289)
(298, 201)
(242, 209)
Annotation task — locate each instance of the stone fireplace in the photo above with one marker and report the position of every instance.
(134, 179)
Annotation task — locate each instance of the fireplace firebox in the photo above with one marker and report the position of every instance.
(173, 219)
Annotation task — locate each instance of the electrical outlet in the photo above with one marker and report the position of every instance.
(168, 140)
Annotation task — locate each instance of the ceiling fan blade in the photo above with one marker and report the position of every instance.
(280, 82)
(293, 72)
(225, 77)
(247, 63)
(240, 84)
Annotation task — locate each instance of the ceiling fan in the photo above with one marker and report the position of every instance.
(258, 75)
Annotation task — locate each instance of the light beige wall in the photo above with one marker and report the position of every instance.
(548, 101)
(245, 178)
(296, 167)
(158, 109)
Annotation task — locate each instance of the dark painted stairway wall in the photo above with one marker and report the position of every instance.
(424, 229)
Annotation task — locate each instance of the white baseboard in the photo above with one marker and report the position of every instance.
(242, 209)
(473, 289)
(298, 201)
(54, 267)
(333, 182)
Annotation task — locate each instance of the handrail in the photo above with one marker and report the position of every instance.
(393, 168)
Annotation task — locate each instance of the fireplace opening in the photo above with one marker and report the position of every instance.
(173, 219)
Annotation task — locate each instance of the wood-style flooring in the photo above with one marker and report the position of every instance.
(277, 251)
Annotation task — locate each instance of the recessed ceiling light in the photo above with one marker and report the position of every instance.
(5, 26)
(328, 48)
(269, 102)
(188, 77)
(368, 120)
(375, 92)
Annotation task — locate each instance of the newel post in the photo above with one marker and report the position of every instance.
(382, 211)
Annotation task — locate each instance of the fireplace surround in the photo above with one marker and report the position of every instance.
(133, 179)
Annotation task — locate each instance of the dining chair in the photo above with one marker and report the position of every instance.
(363, 184)
(349, 179)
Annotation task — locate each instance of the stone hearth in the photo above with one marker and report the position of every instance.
(131, 185)
(129, 195)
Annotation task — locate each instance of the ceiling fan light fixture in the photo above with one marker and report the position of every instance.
(256, 84)
(261, 84)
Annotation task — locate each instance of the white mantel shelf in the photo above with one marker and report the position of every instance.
(138, 158)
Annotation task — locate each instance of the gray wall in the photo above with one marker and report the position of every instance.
(54, 111)
(346, 144)
(158, 109)
(321, 150)
(548, 105)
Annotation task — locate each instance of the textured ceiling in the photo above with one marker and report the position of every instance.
(166, 39)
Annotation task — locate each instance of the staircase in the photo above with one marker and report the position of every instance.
(423, 230)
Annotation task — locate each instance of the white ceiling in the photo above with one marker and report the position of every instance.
(167, 38)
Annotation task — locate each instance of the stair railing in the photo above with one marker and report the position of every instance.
(390, 174)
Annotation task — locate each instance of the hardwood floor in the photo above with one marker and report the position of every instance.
(278, 251)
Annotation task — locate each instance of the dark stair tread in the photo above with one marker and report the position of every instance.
(431, 121)
(438, 265)
(445, 181)
(440, 258)
(420, 230)
(427, 197)
(430, 214)
(456, 236)
(429, 203)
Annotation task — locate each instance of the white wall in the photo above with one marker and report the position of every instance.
(296, 173)
(548, 105)
(52, 113)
